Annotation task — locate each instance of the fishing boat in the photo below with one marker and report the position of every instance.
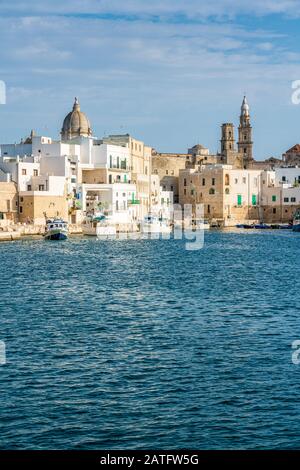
(154, 224)
(296, 221)
(56, 229)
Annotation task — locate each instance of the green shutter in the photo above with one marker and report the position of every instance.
(254, 200)
(274, 198)
(239, 200)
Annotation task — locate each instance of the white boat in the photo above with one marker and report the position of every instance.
(99, 226)
(56, 229)
(154, 224)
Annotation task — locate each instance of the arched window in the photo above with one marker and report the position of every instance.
(227, 191)
(211, 191)
(227, 180)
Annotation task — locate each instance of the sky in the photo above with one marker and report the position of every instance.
(169, 72)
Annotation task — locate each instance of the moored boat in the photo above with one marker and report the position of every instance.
(99, 226)
(154, 224)
(56, 229)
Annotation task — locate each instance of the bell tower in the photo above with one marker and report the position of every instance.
(227, 139)
(245, 144)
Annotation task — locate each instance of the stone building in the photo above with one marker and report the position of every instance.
(167, 167)
(229, 195)
(292, 156)
(140, 166)
(8, 200)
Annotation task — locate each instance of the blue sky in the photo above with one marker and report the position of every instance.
(167, 71)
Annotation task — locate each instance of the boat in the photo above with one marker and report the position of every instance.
(154, 224)
(285, 226)
(262, 226)
(245, 226)
(99, 226)
(296, 221)
(56, 229)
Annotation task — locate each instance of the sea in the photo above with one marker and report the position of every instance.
(143, 344)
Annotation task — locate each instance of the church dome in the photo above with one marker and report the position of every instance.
(76, 124)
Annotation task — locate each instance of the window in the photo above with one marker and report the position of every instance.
(227, 180)
(213, 181)
(29, 187)
(254, 200)
(8, 205)
(208, 208)
(21, 209)
(184, 182)
(245, 136)
(110, 161)
(118, 162)
(274, 198)
(236, 181)
(286, 199)
(155, 171)
(284, 179)
(35, 173)
(171, 188)
(192, 192)
(203, 181)
(274, 210)
(41, 187)
(293, 199)
(244, 180)
(245, 150)
(239, 200)
(227, 191)
(184, 191)
(110, 179)
(24, 172)
(21, 199)
(167, 172)
(212, 191)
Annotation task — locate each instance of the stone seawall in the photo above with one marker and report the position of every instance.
(15, 232)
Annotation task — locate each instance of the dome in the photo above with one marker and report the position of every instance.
(245, 107)
(76, 124)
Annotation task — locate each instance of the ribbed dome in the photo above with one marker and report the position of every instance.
(76, 124)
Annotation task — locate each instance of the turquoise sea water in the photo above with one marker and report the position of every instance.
(142, 344)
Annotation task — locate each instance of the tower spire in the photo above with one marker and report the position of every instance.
(245, 144)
